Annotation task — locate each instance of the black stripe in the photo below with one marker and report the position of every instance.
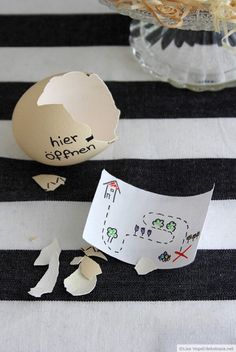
(144, 100)
(172, 177)
(63, 30)
(210, 277)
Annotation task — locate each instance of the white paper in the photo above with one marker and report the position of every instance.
(48, 256)
(77, 285)
(129, 223)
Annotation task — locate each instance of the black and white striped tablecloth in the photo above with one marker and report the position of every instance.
(171, 141)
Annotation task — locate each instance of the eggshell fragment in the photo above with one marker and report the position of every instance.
(76, 260)
(89, 268)
(94, 252)
(49, 182)
(145, 266)
(77, 284)
(48, 256)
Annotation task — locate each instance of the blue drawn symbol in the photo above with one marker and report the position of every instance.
(136, 228)
(142, 230)
(164, 257)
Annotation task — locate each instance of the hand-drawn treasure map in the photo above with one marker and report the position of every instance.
(129, 223)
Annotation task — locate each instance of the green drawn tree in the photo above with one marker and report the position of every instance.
(158, 223)
(171, 226)
(111, 233)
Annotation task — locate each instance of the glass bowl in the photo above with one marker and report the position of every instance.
(190, 57)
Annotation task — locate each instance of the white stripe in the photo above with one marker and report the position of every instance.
(110, 62)
(115, 326)
(44, 221)
(65, 220)
(8, 145)
(51, 6)
(155, 139)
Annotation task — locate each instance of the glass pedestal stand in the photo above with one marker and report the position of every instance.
(191, 57)
(185, 58)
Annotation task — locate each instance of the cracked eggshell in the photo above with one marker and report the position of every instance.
(65, 119)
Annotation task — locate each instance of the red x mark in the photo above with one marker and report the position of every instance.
(181, 254)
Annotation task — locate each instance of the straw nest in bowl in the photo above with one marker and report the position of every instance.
(222, 13)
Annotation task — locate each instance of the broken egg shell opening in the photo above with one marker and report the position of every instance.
(84, 96)
(52, 128)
